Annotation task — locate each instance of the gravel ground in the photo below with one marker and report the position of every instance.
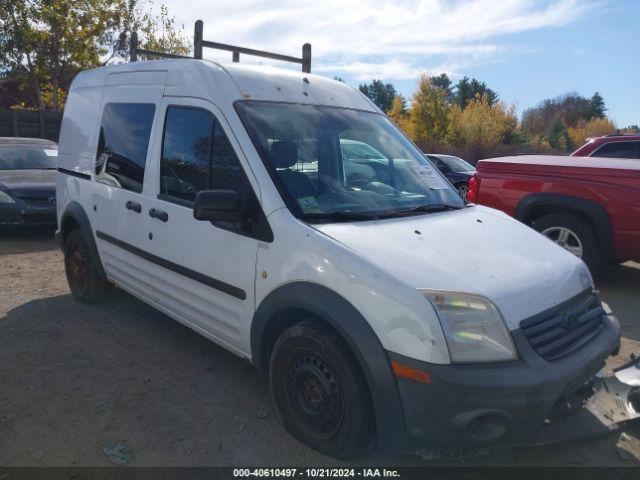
(76, 378)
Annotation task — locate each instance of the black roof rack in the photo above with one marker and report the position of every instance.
(199, 43)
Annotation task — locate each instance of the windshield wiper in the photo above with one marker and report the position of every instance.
(340, 216)
(430, 208)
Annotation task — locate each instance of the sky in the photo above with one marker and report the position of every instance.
(526, 50)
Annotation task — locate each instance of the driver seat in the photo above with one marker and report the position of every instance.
(284, 155)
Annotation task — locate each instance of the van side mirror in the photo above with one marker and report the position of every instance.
(218, 206)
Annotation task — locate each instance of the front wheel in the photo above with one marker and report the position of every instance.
(320, 392)
(573, 234)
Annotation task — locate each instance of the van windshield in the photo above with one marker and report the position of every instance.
(338, 164)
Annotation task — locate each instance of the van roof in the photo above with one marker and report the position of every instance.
(241, 81)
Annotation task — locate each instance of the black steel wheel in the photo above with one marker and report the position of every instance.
(314, 391)
(320, 392)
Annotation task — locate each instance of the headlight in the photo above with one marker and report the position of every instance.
(473, 327)
(6, 198)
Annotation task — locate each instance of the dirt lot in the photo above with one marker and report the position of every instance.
(75, 378)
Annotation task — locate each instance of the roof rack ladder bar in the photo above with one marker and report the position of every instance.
(133, 47)
(306, 58)
(197, 40)
(199, 43)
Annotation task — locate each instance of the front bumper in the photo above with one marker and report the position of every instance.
(21, 213)
(475, 407)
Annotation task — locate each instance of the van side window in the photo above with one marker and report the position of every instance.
(197, 155)
(186, 150)
(123, 144)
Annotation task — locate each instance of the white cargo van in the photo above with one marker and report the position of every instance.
(383, 308)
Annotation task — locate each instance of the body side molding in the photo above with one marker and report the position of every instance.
(192, 274)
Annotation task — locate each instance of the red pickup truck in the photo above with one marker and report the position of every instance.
(590, 206)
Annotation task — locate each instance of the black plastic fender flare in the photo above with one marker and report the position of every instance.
(594, 211)
(359, 336)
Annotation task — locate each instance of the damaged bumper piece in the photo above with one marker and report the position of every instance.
(467, 409)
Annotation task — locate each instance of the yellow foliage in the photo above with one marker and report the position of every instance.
(596, 127)
(428, 120)
(397, 113)
(47, 97)
(480, 125)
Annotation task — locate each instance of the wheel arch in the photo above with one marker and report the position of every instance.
(536, 205)
(294, 302)
(73, 218)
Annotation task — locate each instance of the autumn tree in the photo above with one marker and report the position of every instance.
(428, 120)
(155, 32)
(596, 127)
(45, 43)
(382, 94)
(398, 112)
(481, 126)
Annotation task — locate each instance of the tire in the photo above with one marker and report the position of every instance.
(578, 229)
(320, 392)
(86, 283)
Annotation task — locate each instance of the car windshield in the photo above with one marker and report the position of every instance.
(455, 164)
(335, 164)
(25, 157)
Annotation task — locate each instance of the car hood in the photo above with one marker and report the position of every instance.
(19, 181)
(477, 250)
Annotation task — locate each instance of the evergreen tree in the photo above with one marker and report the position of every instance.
(444, 82)
(468, 89)
(597, 106)
(382, 94)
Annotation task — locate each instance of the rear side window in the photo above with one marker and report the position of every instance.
(123, 144)
(618, 150)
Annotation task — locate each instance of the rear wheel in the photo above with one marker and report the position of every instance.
(319, 391)
(573, 234)
(85, 281)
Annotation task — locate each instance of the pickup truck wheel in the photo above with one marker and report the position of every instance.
(463, 190)
(573, 234)
(319, 391)
(85, 282)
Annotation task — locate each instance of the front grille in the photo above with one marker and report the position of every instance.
(555, 335)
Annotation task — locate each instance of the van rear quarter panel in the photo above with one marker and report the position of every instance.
(79, 131)
(619, 195)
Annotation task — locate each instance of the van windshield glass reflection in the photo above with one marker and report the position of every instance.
(340, 164)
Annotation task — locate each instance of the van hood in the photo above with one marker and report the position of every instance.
(476, 250)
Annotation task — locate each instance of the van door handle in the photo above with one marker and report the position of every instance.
(159, 214)
(135, 206)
